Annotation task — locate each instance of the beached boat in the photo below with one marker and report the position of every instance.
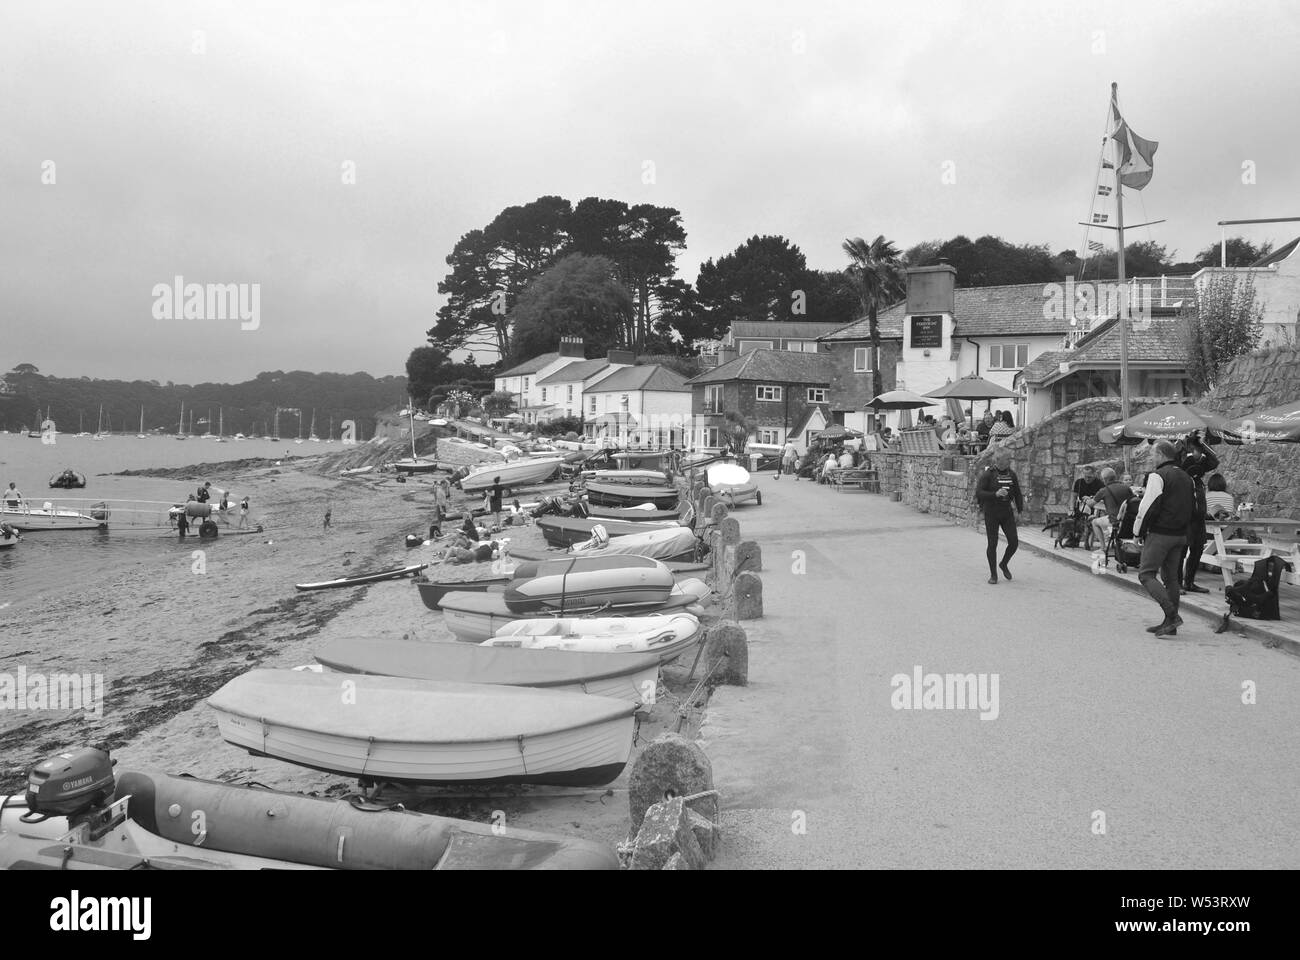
(148, 821)
(474, 617)
(415, 466)
(432, 591)
(423, 731)
(642, 513)
(643, 478)
(667, 543)
(628, 676)
(630, 495)
(732, 484)
(566, 531)
(665, 636)
(355, 471)
(516, 473)
(394, 573)
(569, 583)
(50, 517)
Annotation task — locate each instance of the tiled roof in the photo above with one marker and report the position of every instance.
(530, 366)
(650, 376)
(1022, 309)
(578, 371)
(1159, 341)
(802, 423)
(776, 366)
(780, 329)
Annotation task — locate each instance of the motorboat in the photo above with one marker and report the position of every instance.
(424, 731)
(666, 636)
(625, 675)
(474, 617)
(138, 820)
(50, 517)
(516, 473)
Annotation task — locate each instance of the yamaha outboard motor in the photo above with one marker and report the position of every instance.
(69, 785)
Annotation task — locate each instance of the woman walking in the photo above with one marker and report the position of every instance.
(998, 489)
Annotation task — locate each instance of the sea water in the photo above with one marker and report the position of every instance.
(60, 557)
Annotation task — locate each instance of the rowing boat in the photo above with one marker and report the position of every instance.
(396, 573)
(566, 531)
(423, 731)
(664, 636)
(629, 495)
(630, 676)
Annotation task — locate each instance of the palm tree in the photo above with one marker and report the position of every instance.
(737, 429)
(876, 273)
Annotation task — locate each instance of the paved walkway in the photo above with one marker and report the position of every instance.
(1095, 716)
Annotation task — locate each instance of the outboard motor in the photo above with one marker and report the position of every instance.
(71, 785)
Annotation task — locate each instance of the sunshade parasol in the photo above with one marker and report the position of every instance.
(1169, 421)
(1280, 424)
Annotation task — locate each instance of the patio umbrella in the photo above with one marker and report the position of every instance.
(1169, 421)
(973, 387)
(899, 400)
(1280, 424)
(838, 432)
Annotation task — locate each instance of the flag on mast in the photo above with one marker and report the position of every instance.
(1134, 153)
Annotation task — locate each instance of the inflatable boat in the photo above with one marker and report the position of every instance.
(665, 636)
(474, 617)
(570, 583)
(626, 676)
(423, 731)
(163, 821)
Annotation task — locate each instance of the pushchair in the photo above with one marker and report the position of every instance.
(1121, 545)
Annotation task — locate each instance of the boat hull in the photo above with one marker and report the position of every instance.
(415, 466)
(668, 543)
(566, 531)
(663, 636)
(432, 591)
(419, 731)
(625, 676)
(630, 514)
(515, 473)
(585, 583)
(56, 519)
(629, 495)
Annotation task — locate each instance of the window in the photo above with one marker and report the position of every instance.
(713, 399)
(748, 346)
(769, 436)
(862, 357)
(570, 393)
(1008, 356)
(816, 394)
(525, 384)
(711, 437)
(543, 394)
(767, 393)
(593, 404)
(801, 346)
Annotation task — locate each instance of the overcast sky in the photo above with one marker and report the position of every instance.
(219, 155)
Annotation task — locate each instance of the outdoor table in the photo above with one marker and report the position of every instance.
(1280, 536)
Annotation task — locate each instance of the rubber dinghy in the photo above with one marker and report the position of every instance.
(668, 543)
(395, 573)
(566, 531)
(627, 676)
(423, 731)
(153, 815)
(474, 617)
(569, 583)
(665, 636)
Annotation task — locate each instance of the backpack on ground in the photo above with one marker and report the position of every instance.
(1256, 598)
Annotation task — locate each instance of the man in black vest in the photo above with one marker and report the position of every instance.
(1162, 522)
(1198, 460)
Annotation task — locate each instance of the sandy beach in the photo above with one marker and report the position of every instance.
(166, 635)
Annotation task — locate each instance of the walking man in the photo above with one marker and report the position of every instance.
(1198, 460)
(997, 491)
(788, 455)
(1162, 523)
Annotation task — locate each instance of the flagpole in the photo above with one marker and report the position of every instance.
(1119, 276)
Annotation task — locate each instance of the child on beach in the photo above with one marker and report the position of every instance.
(243, 512)
(328, 512)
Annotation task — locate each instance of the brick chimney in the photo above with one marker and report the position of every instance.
(931, 289)
(572, 347)
(621, 356)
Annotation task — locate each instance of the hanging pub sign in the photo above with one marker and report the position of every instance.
(927, 332)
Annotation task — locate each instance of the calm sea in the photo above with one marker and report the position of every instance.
(61, 556)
